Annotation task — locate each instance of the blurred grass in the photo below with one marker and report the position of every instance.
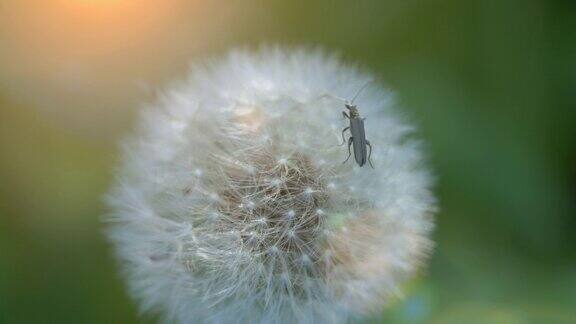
(54, 264)
(490, 83)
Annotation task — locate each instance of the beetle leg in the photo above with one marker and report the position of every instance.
(345, 115)
(343, 139)
(369, 153)
(349, 153)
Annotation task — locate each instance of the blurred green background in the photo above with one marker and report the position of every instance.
(491, 84)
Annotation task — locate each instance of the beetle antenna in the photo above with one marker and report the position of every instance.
(359, 91)
(333, 96)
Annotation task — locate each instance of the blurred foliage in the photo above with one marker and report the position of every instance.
(491, 85)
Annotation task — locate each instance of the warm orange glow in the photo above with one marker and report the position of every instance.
(105, 7)
(96, 2)
(65, 54)
(90, 26)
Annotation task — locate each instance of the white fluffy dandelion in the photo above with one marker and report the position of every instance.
(232, 204)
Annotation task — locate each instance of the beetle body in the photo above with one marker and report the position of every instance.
(358, 137)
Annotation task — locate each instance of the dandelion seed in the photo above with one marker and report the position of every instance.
(214, 197)
(305, 259)
(291, 234)
(276, 182)
(290, 214)
(213, 216)
(261, 221)
(250, 169)
(247, 205)
(285, 279)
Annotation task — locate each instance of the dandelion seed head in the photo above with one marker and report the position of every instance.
(270, 227)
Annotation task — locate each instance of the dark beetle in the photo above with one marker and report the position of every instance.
(358, 138)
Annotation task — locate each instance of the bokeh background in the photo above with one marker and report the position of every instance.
(491, 84)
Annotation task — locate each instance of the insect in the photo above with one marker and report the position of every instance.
(358, 135)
